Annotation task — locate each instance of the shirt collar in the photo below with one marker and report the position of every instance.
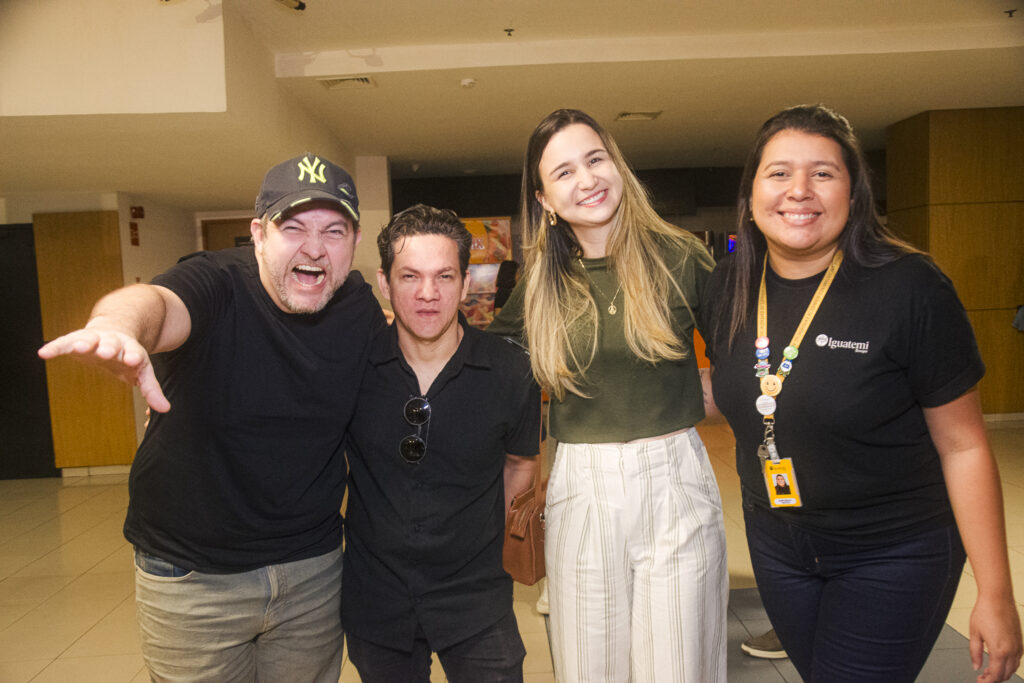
(470, 351)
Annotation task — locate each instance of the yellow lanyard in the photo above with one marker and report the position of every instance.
(771, 385)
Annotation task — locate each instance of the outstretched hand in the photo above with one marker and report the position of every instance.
(118, 353)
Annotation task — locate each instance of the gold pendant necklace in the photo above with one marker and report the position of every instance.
(612, 310)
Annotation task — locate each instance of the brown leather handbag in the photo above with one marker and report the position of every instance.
(523, 552)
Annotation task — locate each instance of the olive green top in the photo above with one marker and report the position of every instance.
(629, 398)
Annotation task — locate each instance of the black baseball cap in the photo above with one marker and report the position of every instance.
(305, 179)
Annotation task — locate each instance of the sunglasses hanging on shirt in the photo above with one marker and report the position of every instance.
(417, 413)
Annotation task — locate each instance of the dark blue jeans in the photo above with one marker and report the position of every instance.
(495, 654)
(854, 612)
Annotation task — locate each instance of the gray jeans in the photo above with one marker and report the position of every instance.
(276, 623)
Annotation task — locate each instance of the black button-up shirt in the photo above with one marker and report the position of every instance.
(424, 541)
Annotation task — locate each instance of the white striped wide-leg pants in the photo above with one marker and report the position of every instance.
(636, 566)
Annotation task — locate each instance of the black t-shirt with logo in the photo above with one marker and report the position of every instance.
(885, 343)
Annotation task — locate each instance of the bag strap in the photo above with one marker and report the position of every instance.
(538, 474)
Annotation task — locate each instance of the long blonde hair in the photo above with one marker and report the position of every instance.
(561, 316)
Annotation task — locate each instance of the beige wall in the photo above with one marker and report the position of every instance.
(373, 182)
(165, 235)
(18, 208)
(259, 105)
(213, 66)
(110, 56)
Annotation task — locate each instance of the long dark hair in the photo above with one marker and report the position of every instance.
(865, 241)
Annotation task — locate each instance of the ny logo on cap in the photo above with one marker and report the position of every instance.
(314, 168)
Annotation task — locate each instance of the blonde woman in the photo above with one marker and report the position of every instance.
(635, 545)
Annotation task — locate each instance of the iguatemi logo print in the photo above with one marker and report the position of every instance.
(825, 340)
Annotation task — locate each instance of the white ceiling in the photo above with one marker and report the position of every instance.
(714, 68)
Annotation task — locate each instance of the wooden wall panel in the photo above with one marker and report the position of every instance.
(976, 155)
(1002, 349)
(911, 225)
(78, 256)
(955, 186)
(981, 247)
(906, 163)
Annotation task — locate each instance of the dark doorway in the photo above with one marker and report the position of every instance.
(26, 443)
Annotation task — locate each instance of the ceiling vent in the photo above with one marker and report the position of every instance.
(348, 83)
(638, 116)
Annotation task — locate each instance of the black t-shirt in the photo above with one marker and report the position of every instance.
(424, 542)
(247, 468)
(885, 343)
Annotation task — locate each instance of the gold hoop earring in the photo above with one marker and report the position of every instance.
(552, 218)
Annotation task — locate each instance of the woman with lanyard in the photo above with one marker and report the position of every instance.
(844, 361)
(635, 542)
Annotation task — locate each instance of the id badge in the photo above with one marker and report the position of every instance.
(780, 480)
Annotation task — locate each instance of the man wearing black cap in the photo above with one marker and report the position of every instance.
(236, 489)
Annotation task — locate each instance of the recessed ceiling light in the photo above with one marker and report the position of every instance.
(638, 116)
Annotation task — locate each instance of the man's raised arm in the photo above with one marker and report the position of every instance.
(124, 327)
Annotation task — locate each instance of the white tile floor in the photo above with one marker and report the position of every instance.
(66, 587)
(67, 598)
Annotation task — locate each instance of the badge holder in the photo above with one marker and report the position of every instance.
(780, 480)
(779, 474)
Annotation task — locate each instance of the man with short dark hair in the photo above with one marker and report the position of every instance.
(446, 430)
(237, 485)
